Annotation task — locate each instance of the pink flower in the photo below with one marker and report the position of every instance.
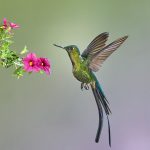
(43, 64)
(30, 63)
(34, 64)
(13, 25)
(7, 24)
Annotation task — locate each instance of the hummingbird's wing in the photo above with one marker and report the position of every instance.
(95, 61)
(96, 45)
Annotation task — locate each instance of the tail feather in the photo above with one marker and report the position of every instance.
(109, 133)
(102, 98)
(100, 110)
(101, 101)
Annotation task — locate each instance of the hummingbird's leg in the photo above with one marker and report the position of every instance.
(82, 85)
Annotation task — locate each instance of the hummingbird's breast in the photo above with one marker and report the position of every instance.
(82, 74)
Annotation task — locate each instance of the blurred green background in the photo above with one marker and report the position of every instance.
(39, 112)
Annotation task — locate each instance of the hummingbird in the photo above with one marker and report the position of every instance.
(83, 67)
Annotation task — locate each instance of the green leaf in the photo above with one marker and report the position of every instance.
(24, 50)
(41, 72)
(19, 72)
(18, 62)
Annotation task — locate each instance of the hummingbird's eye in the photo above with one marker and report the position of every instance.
(71, 48)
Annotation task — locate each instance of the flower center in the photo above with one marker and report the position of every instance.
(31, 63)
(42, 64)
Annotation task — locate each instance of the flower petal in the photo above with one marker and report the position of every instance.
(31, 57)
(13, 25)
(44, 65)
(5, 21)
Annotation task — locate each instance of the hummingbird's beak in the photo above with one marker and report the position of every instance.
(58, 46)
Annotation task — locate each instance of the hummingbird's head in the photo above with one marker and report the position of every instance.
(73, 53)
(71, 49)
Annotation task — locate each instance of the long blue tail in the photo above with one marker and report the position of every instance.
(101, 102)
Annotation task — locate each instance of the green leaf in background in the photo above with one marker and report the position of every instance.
(19, 72)
(24, 50)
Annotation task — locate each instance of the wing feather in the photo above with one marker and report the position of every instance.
(99, 57)
(96, 45)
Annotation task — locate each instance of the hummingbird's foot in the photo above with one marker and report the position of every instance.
(85, 86)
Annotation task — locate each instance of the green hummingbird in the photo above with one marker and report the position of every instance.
(88, 62)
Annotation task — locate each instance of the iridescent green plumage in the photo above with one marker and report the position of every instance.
(90, 61)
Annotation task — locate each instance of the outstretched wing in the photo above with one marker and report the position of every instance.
(96, 45)
(95, 61)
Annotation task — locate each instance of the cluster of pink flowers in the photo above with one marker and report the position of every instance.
(34, 64)
(9, 25)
